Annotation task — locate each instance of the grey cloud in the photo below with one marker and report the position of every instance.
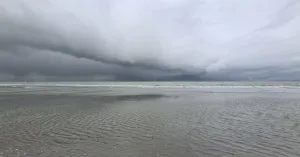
(149, 40)
(51, 66)
(285, 15)
(37, 34)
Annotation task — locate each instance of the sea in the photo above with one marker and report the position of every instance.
(150, 119)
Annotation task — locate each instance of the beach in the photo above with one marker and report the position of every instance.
(149, 119)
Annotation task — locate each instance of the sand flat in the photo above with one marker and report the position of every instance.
(160, 121)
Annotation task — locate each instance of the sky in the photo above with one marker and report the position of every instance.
(134, 40)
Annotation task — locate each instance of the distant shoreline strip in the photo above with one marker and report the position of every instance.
(147, 86)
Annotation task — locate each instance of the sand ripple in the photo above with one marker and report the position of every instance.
(206, 124)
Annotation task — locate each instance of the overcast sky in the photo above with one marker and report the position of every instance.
(149, 40)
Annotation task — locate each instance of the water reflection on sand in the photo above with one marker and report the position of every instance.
(125, 121)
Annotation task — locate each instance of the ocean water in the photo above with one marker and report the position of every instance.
(149, 119)
(156, 84)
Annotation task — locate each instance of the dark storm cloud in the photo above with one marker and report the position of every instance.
(34, 32)
(43, 64)
(149, 40)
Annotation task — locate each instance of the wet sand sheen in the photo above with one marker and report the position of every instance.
(103, 121)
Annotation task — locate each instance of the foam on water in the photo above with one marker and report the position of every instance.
(158, 84)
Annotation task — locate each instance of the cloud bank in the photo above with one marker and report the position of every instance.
(150, 40)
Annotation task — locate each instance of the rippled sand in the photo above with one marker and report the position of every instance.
(136, 122)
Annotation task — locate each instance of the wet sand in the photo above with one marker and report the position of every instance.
(149, 122)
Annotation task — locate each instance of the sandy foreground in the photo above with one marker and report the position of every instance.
(123, 121)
